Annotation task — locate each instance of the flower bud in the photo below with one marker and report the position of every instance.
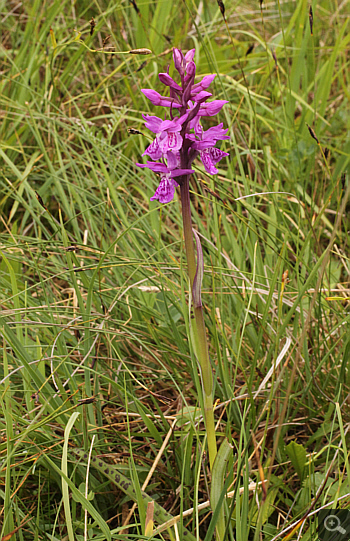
(203, 84)
(189, 56)
(201, 96)
(212, 108)
(157, 99)
(191, 69)
(178, 58)
(168, 81)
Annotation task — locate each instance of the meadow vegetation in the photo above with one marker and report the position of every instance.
(97, 365)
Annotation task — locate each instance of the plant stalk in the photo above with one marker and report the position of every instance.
(198, 326)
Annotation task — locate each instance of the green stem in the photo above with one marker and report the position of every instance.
(199, 326)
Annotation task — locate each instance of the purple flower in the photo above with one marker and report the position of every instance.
(210, 156)
(181, 139)
(209, 137)
(168, 138)
(204, 142)
(166, 189)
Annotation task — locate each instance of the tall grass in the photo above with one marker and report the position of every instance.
(94, 314)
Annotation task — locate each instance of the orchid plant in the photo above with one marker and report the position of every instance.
(178, 141)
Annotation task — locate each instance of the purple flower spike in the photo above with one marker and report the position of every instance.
(181, 139)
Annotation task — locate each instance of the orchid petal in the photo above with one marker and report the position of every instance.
(207, 162)
(153, 150)
(173, 141)
(216, 154)
(180, 172)
(157, 167)
(153, 123)
(165, 191)
(173, 159)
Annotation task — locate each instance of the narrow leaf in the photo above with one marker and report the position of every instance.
(217, 486)
(53, 39)
(198, 279)
(78, 496)
(64, 467)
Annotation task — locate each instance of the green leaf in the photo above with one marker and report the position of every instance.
(81, 489)
(297, 455)
(267, 507)
(217, 486)
(64, 467)
(188, 416)
(81, 499)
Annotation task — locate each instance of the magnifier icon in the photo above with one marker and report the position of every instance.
(332, 524)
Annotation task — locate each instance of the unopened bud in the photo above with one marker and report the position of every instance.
(212, 108)
(189, 56)
(203, 84)
(191, 69)
(202, 96)
(167, 80)
(178, 58)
